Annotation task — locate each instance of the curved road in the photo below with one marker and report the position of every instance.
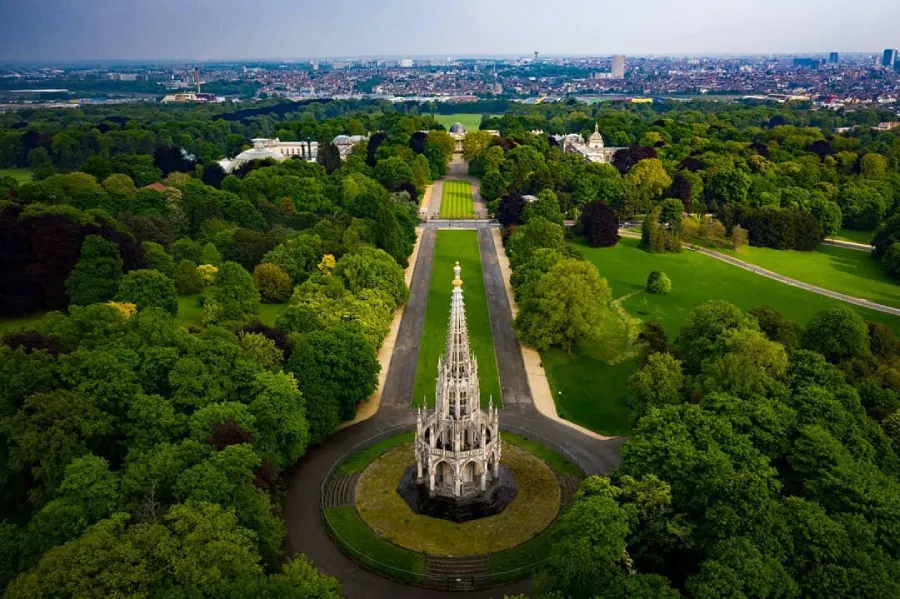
(302, 510)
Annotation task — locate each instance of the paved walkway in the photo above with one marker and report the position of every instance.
(857, 301)
(511, 368)
(401, 377)
(849, 245)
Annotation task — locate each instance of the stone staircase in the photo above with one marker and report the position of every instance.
(341, 491)
(466, 573)
(568, 485)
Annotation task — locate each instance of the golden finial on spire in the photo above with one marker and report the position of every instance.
(457, 282)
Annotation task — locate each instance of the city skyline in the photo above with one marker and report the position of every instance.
(141, 30)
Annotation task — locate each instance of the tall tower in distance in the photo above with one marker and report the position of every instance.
(889, 57)
(617, 70)
(834, 58)
(535, 56)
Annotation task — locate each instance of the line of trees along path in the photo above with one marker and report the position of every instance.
(306, 530)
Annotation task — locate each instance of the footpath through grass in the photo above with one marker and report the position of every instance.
(451, 246)
(456, 200)
(855, 236)
(846, 271)
(591, 386)
(472, 122)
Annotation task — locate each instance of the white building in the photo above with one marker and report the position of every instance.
(593, 151)
(457, 445)
(279, 151)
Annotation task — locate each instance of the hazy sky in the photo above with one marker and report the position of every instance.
(280, 29)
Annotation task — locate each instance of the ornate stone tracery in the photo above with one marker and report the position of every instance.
(458, 444)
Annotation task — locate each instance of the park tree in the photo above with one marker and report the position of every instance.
(336, 368)
(475, 143)
(600, 224)
(546, 206)
(510, 210)
(234, 297)
(210, 255)
(649, 180)
(157, 258)
(97, 273)
(657, 383)
(537, 234)
(568, 305)
(658, 283)
(187, 278)
(329, 157)
(493, 185)
(148, 289)
(373, 269)
(705, 329)
(274, 284)
(837, 333)
(298, 256)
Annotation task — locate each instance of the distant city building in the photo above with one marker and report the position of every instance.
(593, 151)
(279, 151)
(834, 58)
(406, 63)
(535, 56)
(889, 58)
(618, 67)
(183, 98)
(616, 71)
(808, 63)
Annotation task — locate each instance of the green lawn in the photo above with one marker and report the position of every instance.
(854, 235)
(22, 175)
(456, 200)
(21, 323)
(450, 247)
(364, 545)
(591, 388)
(190, 312)
(845, 271)
(472, 122)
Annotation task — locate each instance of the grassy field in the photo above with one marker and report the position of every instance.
(190, 312)
(450, 247)
(854, 235)
(591, 386)
(14, 325)
(456, 200)
(472, 122)
(845, 271)
(22, 175)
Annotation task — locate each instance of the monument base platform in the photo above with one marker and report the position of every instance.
(489, 503)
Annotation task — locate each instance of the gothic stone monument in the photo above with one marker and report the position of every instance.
(458, 475)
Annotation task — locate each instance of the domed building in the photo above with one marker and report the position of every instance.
(593, 151)
(458, 132)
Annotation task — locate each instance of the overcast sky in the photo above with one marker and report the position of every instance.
(283, 29)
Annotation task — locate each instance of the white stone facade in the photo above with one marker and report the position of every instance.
(458, 444)
(593, 151)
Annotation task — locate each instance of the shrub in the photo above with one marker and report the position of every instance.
(273, 283)
(658, 283)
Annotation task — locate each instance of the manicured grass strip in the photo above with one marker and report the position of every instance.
(846, 271)
(456, 200)
(451, 246)
(23, 175)
(472, 122)
(358, 461)
(855, 236)
(590, 386)
(554, 459)
(360, 542)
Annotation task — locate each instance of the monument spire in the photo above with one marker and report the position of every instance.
(457, 391)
